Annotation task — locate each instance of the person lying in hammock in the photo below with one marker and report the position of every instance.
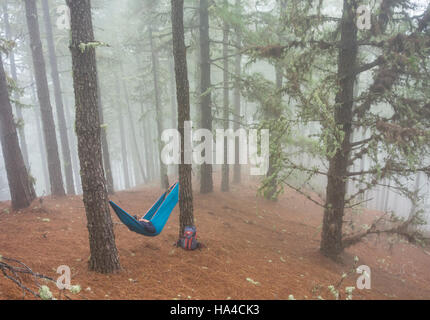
(149, 227)
(148, 224)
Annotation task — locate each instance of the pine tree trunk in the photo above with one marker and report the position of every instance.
(65, 148)
(158, 109)
(104, 254)
(206, 182)
(54, 163)
(20, 119)
(237, 102)
(186, 216)
(225, 173)
(331, 242)
(20, 184)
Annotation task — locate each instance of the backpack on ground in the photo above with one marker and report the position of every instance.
(189, 239)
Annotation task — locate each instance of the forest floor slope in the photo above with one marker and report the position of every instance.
(253, 249)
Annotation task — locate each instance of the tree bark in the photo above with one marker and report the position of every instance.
(54, 163)
(186, 216)
(331, 242)
(104, 254)
(158, 110)
(65, 148)
(20, 184)
(20, 118)
(206, 181)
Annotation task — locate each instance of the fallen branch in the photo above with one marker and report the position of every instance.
(12, 273)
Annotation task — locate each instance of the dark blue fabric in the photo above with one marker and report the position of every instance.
(148, 226)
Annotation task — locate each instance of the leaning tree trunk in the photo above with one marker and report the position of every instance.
(186, 216)
(206, 182)
(225, 173)
(20, 184)
(21, 131)
(158, 111)
(54, 163)
(65, 148)
(104, 254)
(331, 242)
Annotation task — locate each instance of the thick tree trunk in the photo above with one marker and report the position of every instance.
(186, 216)
(65, 148)
(225, 174)
(331, 242)
(20, 184)
(236, 97)
(104, 254)
(54, 163)
(158, 109)
(206, 182)
(20, 119)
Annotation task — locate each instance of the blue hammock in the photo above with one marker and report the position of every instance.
(158, 214)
